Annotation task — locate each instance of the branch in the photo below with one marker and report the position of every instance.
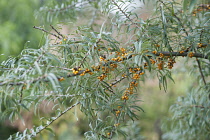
(197, 55)
(35, 27)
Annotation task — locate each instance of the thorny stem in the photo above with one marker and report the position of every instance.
(57, 31)
(54, 119)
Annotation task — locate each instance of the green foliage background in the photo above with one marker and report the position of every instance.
(16, 24)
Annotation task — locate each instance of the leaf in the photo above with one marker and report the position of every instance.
(50, 130)
(164, 81)
(138, 46)
(148, 61)
(185, 2)
(122, 133)
(192, 5)
(24, 107)
(37, 67)
(169, 76)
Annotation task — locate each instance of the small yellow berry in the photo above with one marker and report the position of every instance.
(154, 52)
(61, 79)
(191, 54)
(157, 45)
(161, 55)
(181, 52)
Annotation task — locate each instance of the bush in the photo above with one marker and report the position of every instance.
(99, 67)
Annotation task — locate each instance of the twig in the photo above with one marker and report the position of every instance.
(35, 27)
(199, 66)
(57, 31)
(54, 119)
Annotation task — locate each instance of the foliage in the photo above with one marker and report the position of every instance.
(101, 69)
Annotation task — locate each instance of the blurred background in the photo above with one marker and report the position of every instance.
(17, 19)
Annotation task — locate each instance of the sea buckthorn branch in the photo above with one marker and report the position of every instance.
(82, 72)
(54, 119)
(35, 27)
(77, 71)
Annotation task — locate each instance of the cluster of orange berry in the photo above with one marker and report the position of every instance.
(129, 91)
(120, 55)
(201, 45)
(161, 63)
(101, 77)
(190, 54)
(117, 112)
(75, 70)
(171, 63)
(110, 66)
(78, 71)
(152, 61)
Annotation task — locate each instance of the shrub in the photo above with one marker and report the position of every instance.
(100, 67)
